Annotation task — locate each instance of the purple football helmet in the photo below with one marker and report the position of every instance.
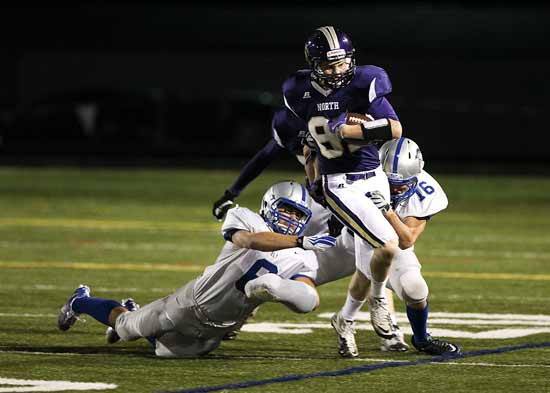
(328, 44)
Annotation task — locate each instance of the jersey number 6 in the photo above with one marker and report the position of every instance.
(252, 273)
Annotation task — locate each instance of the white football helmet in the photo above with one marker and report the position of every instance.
(285, 207)
(402, 161)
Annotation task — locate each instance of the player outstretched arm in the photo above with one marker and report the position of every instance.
(251, 170)
(271, 241)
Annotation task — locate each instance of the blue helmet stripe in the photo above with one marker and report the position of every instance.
(396, 156)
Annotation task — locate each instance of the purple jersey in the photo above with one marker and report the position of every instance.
(288, 131)
(315, 106)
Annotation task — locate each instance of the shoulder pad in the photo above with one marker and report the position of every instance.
(293, 87)
(373, 78)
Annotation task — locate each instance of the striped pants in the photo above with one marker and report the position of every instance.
(346, 198)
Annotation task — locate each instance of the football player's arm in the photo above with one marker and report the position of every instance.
(272, 241)
(408, 229)
(314, 183)
(250, 171)
(310, 166)
(263, 241)
(385, 127)
(255, 166)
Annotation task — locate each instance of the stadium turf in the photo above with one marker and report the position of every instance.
(144, 233)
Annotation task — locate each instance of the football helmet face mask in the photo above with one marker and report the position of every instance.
(402, 162)
(327, 45)
(285, 208)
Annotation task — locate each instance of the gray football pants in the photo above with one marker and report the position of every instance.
(174, 323)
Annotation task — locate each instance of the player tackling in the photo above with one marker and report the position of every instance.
(265, 259)
(415, 198)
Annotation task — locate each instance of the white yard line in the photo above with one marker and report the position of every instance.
(262, 358)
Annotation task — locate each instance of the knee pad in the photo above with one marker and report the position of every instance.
(413, 287)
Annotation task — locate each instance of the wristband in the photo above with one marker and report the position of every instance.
(300, 241)
(377, 130)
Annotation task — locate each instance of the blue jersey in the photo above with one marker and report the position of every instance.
(315, 106)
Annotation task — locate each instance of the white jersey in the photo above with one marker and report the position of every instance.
(428, 199)
(219, 291)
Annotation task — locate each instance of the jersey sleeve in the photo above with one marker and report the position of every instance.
(241, 218)
(381, 108)
(288, 130)
(428, 200)
(289, 95)
(380, 85)
(374, 80)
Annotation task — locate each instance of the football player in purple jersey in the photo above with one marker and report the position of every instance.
(346, 157)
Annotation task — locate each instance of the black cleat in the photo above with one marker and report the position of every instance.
(435, 346)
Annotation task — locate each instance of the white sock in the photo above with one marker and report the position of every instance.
(378, 289)
(351, 308)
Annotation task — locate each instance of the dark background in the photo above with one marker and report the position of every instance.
(164, 83)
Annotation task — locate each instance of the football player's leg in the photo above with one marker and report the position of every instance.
(299, 294)
(81, 302)
(149, 321)
(349, 202)
(177, 345)
(407, 282)
(336, 262)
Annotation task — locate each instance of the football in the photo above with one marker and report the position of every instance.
(358, 118)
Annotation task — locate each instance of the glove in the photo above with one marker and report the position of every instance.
(335, 123)
(315, 191)
(222, 205)
(317, 243)
(334, 226)
(378, 199)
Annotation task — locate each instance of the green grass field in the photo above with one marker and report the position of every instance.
(144, 233)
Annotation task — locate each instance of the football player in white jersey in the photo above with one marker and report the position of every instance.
(415, 198)
(265, 259)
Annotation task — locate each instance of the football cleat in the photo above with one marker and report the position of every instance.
(396, 343)
(380, 317)
(110, 334)
(67, 317)
(345, 331)
(231, 335)
(435, 346)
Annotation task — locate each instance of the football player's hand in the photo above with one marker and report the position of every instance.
(379, 201)
(335, 123)
(317, 243)
(222, 205)
(315, 191)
